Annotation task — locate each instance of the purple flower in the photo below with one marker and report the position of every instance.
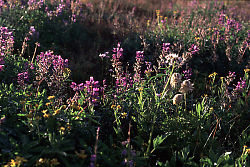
(118, 51)
(241, 85)
(92, 160)
(32, 29)
(193, 49)
(187, 73)
(137, 67)
(31, 66)
(35, 4)
(104, 55)
(76, 87)
(222, 18)
(1, 60)
(22, 78)
(92, 91)
(117, 64)
(124, 152)
(1, 3)
(6, 41)
(231, 74)
(166, 47)
(131, 163)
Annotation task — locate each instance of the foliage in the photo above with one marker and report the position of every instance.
(162, 97)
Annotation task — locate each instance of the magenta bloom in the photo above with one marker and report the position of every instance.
(193, 49)
(32, 30)
(22, 78)
(76, 87)
(92, 91)
(117, 52)
(6, 41)
(240, 85)
(1, 67)
(166, 47)
(187, 73)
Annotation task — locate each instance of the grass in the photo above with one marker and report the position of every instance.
(124, 83)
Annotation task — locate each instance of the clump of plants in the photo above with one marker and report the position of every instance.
(153, 106)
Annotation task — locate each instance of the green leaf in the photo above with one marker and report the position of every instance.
(158, 140)
(198, 109)
(206, 161)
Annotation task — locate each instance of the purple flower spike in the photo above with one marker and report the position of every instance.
(92, 91)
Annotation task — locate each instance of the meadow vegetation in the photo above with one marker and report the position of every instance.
(124, 83)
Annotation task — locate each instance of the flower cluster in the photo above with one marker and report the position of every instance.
(57, 12)
(76, 87)
(32, 30)
(166, 47)
(128, 155)
(212, 75)
(47, 162)
(52, 69)
(1, 63)
(222, 18)
(6, 41)
(104, 55)
(118, 52)
(193, 49)
(187, 73)
(1, 2)
(165, 57)
(137, 66)
(50, 63)
(35, 4)
(149, 69)
(185, 87)
(240, 85)
(231, 76)
(117, 65)
(92, 91)
(75, 9)
(125, 81)
(172, 59)
(22, 78)
(92, 160)
(234, 25)
(17, 162)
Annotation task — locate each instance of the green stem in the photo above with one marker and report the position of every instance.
(185, 97)
(165, 88)
(151, 135)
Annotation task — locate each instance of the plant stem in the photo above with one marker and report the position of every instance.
(34, 54)
(165, 88)
(151, 134)
(185, 97)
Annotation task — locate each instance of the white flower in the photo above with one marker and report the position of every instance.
(171, 58)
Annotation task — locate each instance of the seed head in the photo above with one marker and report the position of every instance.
(175, 80)
(186, 86)
(178, 98)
